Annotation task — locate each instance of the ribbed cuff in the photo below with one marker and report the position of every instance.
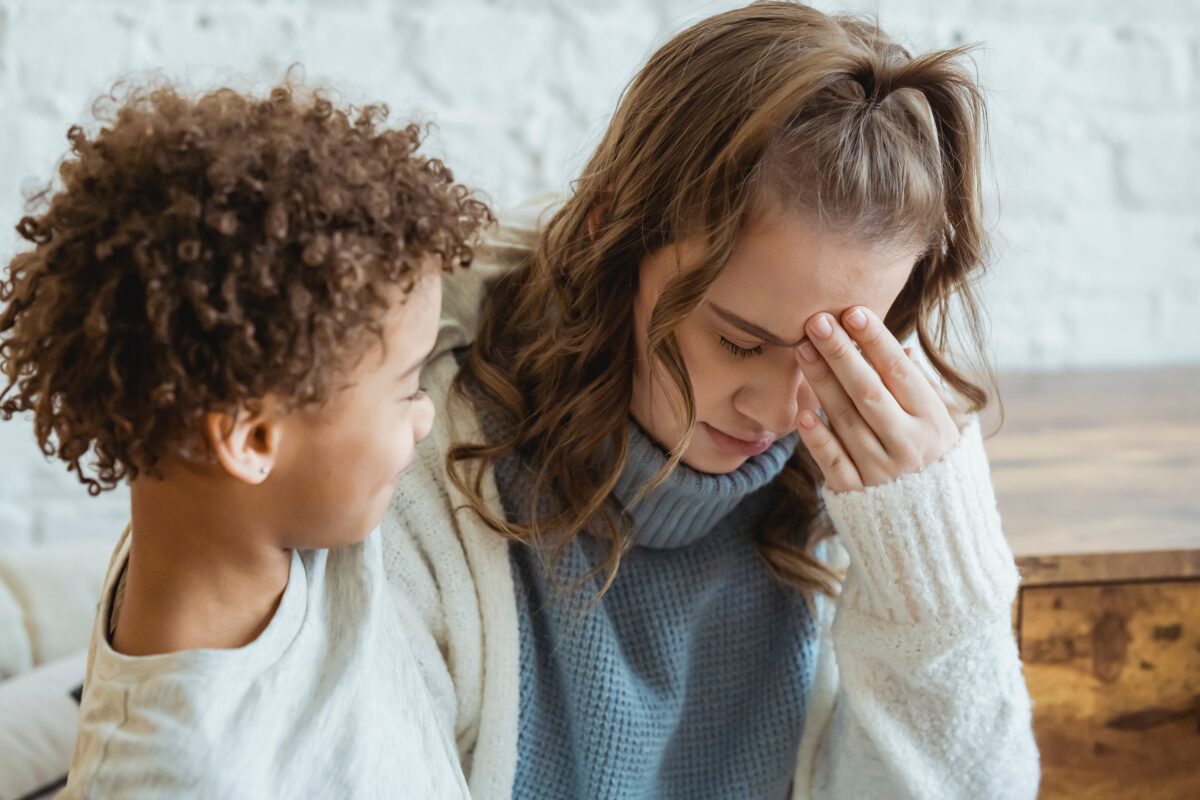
(928, 544)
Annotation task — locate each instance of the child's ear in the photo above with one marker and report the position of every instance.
(246, 444)
(597, 215)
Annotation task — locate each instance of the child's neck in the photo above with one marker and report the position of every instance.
(204, 570)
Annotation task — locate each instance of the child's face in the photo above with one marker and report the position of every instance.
(337, 466)
(782, 271)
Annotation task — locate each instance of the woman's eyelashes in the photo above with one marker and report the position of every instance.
(740, 352)
(412, 398)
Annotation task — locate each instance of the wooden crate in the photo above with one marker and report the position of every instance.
(1098, 481)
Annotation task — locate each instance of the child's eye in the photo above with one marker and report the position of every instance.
(412, 398)
(740, 352)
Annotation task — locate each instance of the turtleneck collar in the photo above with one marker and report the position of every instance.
(689, 503)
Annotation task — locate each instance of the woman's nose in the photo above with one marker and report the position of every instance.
(773, 400)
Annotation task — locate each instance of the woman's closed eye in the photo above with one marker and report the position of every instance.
(738, 351)
(414, 397)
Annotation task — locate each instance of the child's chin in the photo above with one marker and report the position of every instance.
(361, 529)
(366, 523)
(344, 539)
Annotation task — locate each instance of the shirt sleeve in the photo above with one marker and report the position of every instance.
(126, 747)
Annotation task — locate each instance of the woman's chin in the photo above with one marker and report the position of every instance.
(711, 460)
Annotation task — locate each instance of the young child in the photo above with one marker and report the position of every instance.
(228, 303)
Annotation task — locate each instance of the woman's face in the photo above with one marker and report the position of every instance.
(740, 344)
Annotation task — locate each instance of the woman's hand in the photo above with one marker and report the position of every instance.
(887, 421)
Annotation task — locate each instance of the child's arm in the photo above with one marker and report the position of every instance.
(123, 749)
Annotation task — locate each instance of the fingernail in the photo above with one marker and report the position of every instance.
(808, 420)
(808, 352)
(821, 327)
(857, 319)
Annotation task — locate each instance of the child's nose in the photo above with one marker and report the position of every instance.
(424, 415)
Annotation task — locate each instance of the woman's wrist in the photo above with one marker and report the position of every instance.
(928, 544)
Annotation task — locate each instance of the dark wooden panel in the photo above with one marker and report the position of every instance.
(1114, 672)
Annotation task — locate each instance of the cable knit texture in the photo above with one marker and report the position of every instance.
(927, 545)
(917, 690)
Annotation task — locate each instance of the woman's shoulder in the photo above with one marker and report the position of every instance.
(505, 246)
(427, 504)
(517, 229)
(425, 489)
(429, 518)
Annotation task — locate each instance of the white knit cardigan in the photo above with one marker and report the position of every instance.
(918, 689)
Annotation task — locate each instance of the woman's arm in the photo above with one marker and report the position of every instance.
(930, 701)
(453, 592)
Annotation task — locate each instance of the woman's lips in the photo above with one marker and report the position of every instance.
(738, 446)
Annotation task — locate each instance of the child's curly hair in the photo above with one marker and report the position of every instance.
(203, 252)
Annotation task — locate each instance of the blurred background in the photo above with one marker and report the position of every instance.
(1093, 187)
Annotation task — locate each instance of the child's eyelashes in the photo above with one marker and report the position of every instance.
(740, 352)
(412, 398)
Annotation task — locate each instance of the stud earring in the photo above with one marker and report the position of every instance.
(264, 470)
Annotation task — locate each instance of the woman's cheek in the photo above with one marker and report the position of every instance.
(712, 377)
(694, 347)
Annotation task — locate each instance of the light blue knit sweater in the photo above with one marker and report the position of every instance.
(689, 679)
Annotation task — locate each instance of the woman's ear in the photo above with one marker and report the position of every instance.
(245, 444)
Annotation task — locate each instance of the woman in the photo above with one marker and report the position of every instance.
(622, 561)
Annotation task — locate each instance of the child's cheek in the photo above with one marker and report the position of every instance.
(402, 456)
(400, 451)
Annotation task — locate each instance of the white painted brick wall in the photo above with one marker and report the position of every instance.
(1095, 111)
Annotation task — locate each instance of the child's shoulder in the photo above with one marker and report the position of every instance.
(174, 674)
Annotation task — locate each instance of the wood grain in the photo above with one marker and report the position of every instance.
(1097, 462)
(1108, 567)
(1097, 477)
(1114, 671)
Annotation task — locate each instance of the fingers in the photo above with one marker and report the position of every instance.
(885, 414)
(952, 401)
(853, 391)
(842, 414)
(839, 470)
(893, 367)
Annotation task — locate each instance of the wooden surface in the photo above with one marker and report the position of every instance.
(1154, 565)
(1114, 671)
(1098, 462)
(1097, 477)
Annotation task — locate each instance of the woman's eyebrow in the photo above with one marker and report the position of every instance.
(749, 327)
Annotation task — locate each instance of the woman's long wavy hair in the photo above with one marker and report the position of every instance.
(775, 102)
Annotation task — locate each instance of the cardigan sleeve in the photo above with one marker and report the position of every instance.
(449, 572)
(930, 699)
(454, 596)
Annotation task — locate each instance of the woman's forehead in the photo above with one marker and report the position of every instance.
(787, 268)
